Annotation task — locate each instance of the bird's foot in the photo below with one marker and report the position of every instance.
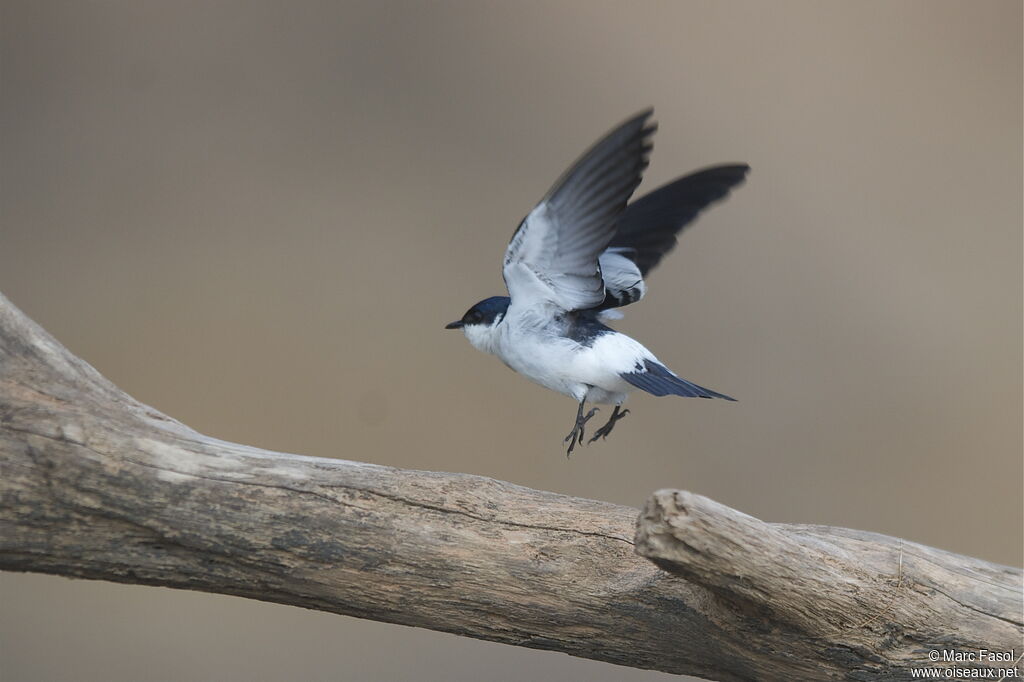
(576, 435)
(607, 428)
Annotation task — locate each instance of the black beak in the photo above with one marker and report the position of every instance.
(458, 324)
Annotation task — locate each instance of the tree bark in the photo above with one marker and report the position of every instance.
(94, 484)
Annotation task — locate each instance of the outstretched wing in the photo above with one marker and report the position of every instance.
(553, 257)
(648, 228)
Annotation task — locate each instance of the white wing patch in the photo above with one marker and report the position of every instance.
(570, 278)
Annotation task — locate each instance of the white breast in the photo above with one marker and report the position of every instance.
(529, 344)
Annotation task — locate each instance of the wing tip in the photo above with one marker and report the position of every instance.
(643, 114)
(732, 172)
(639, 122)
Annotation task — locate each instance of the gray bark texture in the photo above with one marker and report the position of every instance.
(94, 484)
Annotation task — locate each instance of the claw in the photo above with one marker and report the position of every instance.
(603, 432)
(576, 435)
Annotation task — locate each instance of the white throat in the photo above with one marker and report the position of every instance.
(483, 337)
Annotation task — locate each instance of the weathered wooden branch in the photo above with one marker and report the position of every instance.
(96, 485)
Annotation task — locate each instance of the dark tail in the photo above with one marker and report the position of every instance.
(658, 380)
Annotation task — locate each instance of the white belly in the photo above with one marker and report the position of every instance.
(582, 372)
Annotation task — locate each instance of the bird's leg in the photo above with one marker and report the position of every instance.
(607, 428)
(576, 435)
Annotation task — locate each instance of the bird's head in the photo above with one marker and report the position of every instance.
(479, 321)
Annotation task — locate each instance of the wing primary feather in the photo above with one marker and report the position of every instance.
(650, 225)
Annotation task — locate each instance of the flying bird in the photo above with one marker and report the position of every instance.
(581, 253)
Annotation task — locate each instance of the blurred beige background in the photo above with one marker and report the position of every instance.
(257, 217)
